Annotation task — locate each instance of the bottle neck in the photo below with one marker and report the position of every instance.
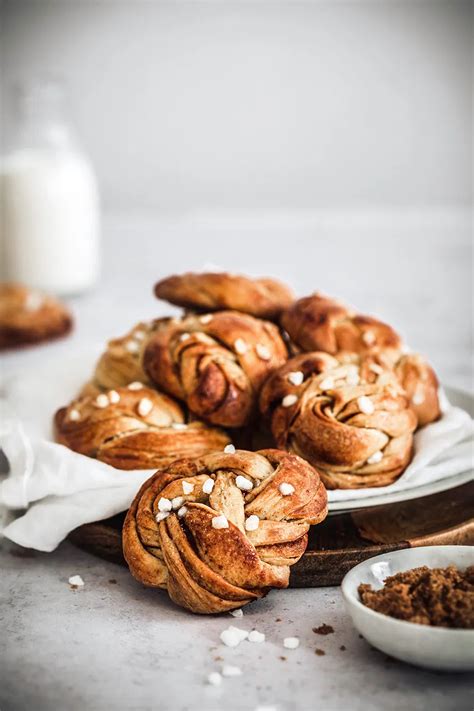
(40, 120)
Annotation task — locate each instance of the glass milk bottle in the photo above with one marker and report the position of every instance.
(49, 227)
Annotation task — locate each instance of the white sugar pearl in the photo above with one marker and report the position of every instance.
(252, 523)
(220, 522)
(291, 642)
(33, 301)
(177, 502)
(182, 511)
(164, 504)
(184, 337)
(114, 397)
(255, 636)
(376, 368)
(207, 318)
(243, 483)
(352, 378)
(74, 415)
(145, 406)
(365, 405)
(296, 377)
(375, 458)
(135, 385)
(240, 346)
(161, 516)
(187, 487)
(229, 449)
(289, 400)
(369, 338)
(208, 486)
(179, 426)
(232, 636)
(76, 580)
(286, 489)
(237, 613)
(230, 670)
(418, 398)
(326, 384)
(263, 352)
(102, 400)
(132, 346)
(214, 678)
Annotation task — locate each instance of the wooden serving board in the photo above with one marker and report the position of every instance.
(343, 540)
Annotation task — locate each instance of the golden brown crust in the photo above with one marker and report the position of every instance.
(212, 291)
(28, 317)
(133, 429)
(350, 422)
(121, 362)
(215, 363)
(208, 569)
(319, 323)
(421, 386)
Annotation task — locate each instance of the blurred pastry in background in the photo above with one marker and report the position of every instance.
(421, 386)
(121, 362)
(29, 316)
(213, 291)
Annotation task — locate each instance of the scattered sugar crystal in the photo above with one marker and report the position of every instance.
(76, 580)
(291, 642)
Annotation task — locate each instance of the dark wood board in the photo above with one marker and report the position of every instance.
(343, 540)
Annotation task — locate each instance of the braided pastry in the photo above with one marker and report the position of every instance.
(121, 362)
(211, 291)
(134, 428)
(220, 531)
(351, 421)
(28, 317)
(421, 386)
(319, 323)
(216, 363)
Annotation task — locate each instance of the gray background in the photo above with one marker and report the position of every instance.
(326, 142)
(261, 105)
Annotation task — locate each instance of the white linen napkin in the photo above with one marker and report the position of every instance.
(61, 489)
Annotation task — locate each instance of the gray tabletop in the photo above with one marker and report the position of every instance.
(114, 644)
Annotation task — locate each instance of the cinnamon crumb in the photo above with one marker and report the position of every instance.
(323, 629)
(112, 581)
(319, 652)
(342, 648)
(283, 659)
(439, 597)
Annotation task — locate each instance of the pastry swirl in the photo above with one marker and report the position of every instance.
(217, 532)
(134, 428)
(351, 421)
(216, 363)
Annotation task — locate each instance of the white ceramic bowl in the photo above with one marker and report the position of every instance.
(431, 647)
